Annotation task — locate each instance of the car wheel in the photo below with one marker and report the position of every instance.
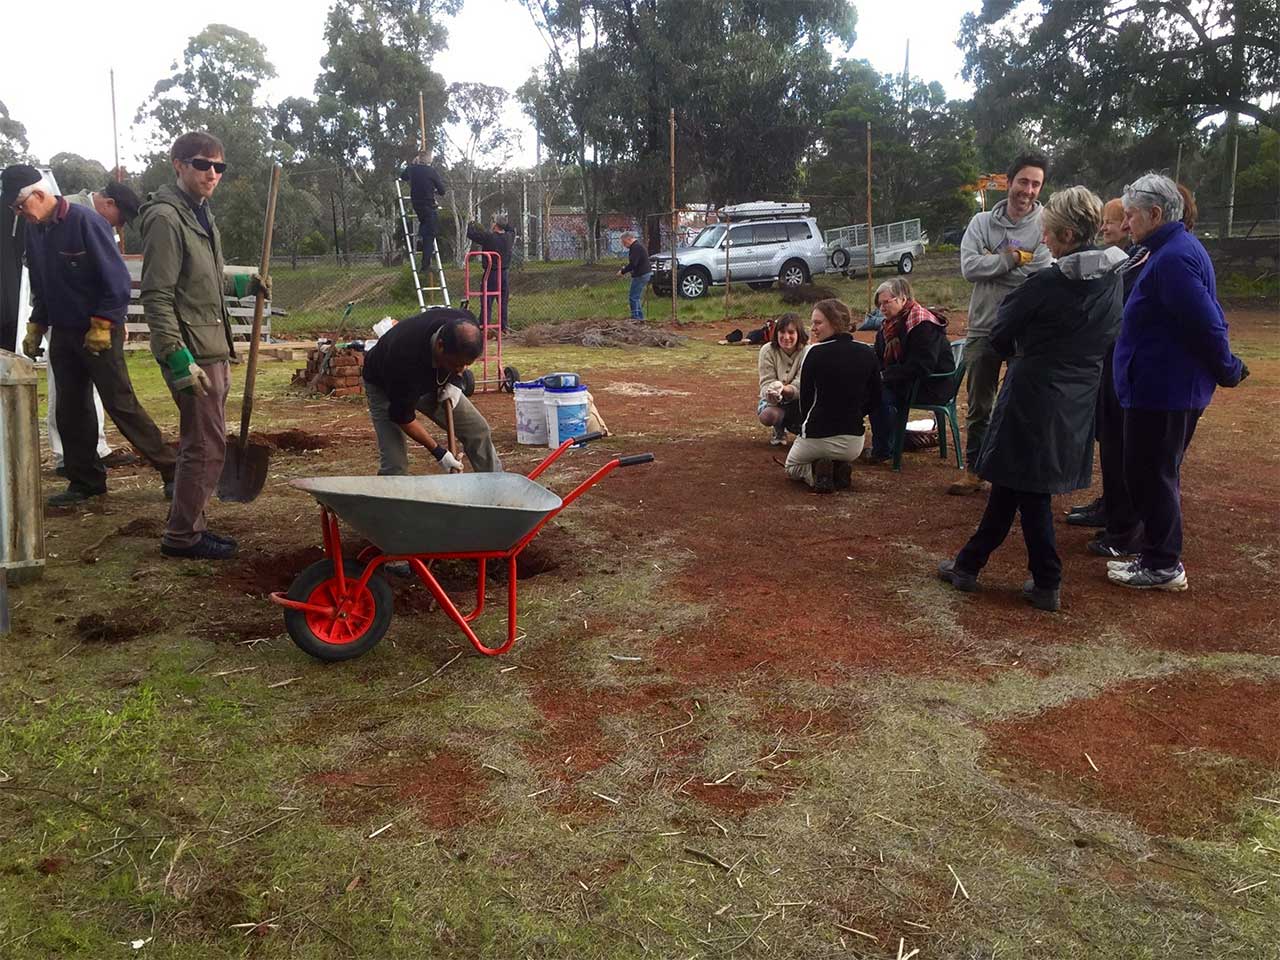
(794, 274)
(907, 263)
(694, 282)
(759, 284)
(840, 258)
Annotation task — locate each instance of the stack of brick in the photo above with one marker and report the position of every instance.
(333, 371)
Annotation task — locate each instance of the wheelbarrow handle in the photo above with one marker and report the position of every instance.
(587, 438)
(634, 459)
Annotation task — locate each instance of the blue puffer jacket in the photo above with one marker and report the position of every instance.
(1173, 348)
(76, 269)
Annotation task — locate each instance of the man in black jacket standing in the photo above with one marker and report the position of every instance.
(424, 185)
(638, 267)
(498, 239)
(839, 387)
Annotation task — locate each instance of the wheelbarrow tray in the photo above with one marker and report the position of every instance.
(457, 513)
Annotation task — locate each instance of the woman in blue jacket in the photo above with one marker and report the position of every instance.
(1172, 353)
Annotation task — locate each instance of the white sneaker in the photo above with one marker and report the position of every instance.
(1143, 578)
(778, 440)
(1123, 564)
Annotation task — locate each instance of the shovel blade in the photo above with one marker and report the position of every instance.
(244, 473)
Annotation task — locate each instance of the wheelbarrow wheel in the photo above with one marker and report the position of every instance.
(328, 636)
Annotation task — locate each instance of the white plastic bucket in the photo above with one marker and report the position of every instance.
(531, 413)
(566, 414)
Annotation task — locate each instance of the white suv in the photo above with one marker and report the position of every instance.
(769, 242)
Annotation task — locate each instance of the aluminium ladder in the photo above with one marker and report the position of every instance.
(409, 231)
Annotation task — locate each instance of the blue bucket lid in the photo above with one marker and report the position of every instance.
(529, 385)
(580, 388)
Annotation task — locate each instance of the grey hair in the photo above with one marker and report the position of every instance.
(1155, 190)
(898, 287)
(626, 234)
(1077, 209)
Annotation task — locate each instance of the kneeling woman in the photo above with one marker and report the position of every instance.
(912, 344)
(779, 366)
(839, 386)
(1040, 442)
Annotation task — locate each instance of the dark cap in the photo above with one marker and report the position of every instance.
(14, 179)
(126, 200)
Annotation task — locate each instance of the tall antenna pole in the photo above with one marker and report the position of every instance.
(871, 244)
(906, 80)
(115, 137)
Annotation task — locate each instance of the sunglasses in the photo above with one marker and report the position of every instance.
(201, 164)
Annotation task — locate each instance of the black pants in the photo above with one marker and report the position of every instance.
(495, 281)
(78, 371)
(427, 230)
(1037, 531)
(1154, 444)
(1123, 522)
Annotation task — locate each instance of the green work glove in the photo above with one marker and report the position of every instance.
(187, 375)
(31, 342)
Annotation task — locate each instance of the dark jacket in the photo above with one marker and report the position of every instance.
(839, 386)
(1173, 347)
(926, 351)
(637, 260)
(424, 183)
(1060, 323)
(494, 242)
(182, 278)
(76, 269)
(402, 364)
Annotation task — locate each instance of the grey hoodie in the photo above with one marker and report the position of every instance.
(984, 263)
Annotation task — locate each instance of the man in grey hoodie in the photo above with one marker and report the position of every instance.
(1000, 249)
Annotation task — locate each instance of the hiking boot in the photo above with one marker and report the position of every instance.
(1042, 598)
(120, 457)
(960, 579)
(1144, 578)
(968, 485)
(73, 495)
(842, 475)
(822, 477)
(1102, 547)
(206, 548)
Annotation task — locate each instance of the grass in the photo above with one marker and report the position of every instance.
(172, 789)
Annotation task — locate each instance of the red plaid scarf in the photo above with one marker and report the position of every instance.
(897, 328)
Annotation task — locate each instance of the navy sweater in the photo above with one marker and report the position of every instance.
(402, 364)
(424, 183)
(839, 386)
(76, 269)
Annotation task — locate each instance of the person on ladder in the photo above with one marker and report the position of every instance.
(424, 185)
(499, 239)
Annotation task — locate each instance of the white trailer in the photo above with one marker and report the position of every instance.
(899, 244)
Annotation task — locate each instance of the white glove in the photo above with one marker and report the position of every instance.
(196, 381)
(450, 462)
(451, 393)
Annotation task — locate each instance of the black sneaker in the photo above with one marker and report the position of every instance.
(220, 538)
(1093, 507)
(60, 471)
(168, 489)
(823, 481)
(1102, 547)
(842, 475)
(1093, 516)
(1042, 598)
(206, 548)
(73, 495)
(960, 579)
(119, 457)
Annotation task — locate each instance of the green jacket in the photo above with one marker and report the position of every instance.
(182, 280)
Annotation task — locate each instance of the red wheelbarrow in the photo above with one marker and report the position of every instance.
(336, 609)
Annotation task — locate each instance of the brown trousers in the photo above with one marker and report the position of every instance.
(202, 446)
(78, 371)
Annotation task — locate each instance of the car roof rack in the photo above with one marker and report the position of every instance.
(762, 209)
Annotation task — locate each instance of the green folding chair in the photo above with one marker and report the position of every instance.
(946, 408)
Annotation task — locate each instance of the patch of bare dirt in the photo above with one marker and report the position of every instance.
(119, 626)
(441, 787)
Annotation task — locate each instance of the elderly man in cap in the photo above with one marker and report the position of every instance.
(80, 295)
(499, 239)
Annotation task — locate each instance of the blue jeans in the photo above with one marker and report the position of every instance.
(884, 422)
(637, 292)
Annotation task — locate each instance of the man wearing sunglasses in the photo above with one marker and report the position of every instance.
(80, 294)
(183, 284)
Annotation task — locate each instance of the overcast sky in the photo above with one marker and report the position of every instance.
(60, 91)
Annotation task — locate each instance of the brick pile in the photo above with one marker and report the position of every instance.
(333, 371)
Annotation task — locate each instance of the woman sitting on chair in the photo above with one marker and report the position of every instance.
(779, 366)
(912, 344)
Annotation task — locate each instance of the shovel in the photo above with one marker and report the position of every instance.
(452, 438)
(244, 471)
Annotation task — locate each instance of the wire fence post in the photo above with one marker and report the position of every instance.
(871, 242)
(675, 224)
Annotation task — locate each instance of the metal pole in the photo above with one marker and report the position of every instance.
(675, 222)
(524, 215)
(871, 243)
(115, 137)
(1234, 124)
(1177, 171)
(422, 124)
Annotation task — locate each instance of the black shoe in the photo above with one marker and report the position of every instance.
(1093, 515)
(219, 538)
(60, 471)
(823, 481)
(206, 548)
(73, 495)
(960, 579)
(1086, 507)
(874, 457)
(842, 475)
(1042, 598)
(1100, 546)
(168, 489)
(120, 457)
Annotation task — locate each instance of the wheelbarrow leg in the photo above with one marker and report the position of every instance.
(456, 616)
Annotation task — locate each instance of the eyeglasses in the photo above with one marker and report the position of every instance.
(17, 205)
(201, 164)
(1130, 188)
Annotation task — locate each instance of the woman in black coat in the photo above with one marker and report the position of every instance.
(1062, 320)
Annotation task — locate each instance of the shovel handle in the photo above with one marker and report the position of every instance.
(259, 302)
(452, 437)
